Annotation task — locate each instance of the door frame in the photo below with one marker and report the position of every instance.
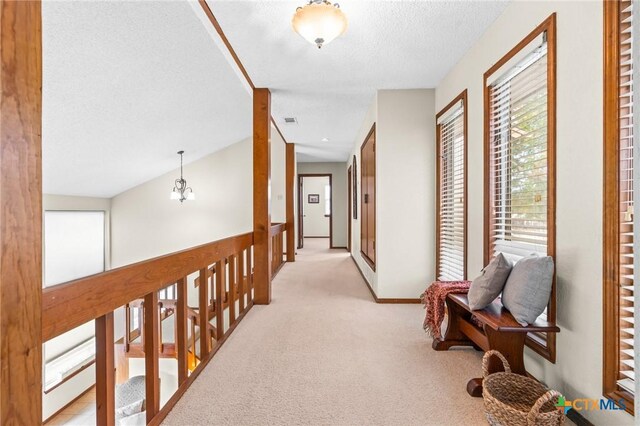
(301, 209)
(350, 203)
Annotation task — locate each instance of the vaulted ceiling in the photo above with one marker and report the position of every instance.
(127, 84)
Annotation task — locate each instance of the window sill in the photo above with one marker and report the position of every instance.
(618, 395)
(70, 376)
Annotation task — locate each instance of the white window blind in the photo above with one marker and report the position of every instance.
(626, 375)
(451, 261)
(518, 156)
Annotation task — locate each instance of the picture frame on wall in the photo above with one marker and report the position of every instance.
(314, 199)
(355, 187)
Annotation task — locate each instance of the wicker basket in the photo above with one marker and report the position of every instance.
(515, 400)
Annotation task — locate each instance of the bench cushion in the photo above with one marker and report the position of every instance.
(528, 288)
(488, 286)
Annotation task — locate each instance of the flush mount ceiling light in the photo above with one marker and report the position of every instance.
(325, 139)
(319, 22)
(181, 191)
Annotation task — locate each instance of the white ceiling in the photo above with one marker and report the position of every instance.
(388, 45)
(125, 86)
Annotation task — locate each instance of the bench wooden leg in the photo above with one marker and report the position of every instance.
(511, 345)
(453, 336)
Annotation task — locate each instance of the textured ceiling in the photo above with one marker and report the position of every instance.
(125, 86)
(388, 45)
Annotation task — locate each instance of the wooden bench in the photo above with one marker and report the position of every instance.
(499, 331)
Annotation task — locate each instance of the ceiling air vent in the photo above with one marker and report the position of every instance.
(290, 120)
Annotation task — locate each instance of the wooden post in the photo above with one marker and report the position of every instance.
(261, 197)
(290, 196)
(181, 331)
(20, 212)
(151, 355)
(105, 371)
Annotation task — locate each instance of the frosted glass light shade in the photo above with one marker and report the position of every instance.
(175, 195)
(191, 196)
(319, 23)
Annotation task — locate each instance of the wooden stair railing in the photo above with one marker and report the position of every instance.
(144, 286)
(277, 247)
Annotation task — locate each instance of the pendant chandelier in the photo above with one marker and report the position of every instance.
(319, 22)
(181, 191)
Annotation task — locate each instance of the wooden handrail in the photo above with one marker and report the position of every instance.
(72, 304)
(277, 228)
(141, 286)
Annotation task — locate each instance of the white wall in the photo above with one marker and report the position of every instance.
(578, 370)
(145, 223)
(338, 172)
(316, 224)
(405, 193)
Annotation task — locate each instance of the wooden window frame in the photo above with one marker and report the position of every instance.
(546, 347)
(610, 257)
(370, 262)
(462, 97)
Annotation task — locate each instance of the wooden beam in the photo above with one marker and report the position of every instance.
(290, 193)
(105, 371)
(181, 330)
(261, 197)
(151, 354)
(20, 212)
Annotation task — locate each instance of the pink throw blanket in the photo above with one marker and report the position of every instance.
(433, 300)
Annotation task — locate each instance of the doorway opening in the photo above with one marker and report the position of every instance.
(315, 208)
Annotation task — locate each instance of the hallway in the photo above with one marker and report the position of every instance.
(324, 353)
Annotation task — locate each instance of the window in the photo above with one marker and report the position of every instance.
(619, 216)
(520, 158)
(74, 247)
(327, 200)
(451, 216)
(368, 198)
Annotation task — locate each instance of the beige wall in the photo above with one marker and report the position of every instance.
(405, 182)
(278, 169)
(145, 223)
(338, 172)
(578, 370)
(316, 224)
(370, 118)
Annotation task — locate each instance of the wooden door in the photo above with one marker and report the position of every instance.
(368, 198)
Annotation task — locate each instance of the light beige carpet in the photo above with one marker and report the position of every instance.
(324, 353)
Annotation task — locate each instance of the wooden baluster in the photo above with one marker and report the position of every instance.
(181, 330)
(220, 286)
(127, 330)
(204, 313)
(232, 289)
(193, 339)
(241, 280)
(105, 371)
(160, 344)
(152, 362)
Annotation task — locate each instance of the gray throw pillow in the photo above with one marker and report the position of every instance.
(490, 283)
(527, 291)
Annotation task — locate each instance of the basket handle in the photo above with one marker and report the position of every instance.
(485, 362)
(535, 410)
